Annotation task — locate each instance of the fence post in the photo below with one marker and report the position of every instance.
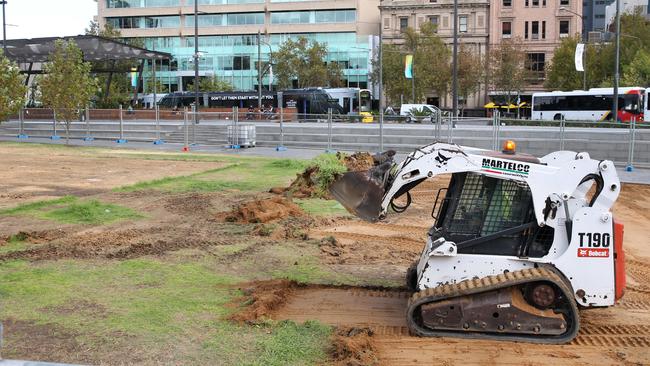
(381, 131)
(498, 135)
(281, 147)
(157, 141)
(54, 135)
(438, 128)
(562, 126)
(450, 125)
(632, 138)
(329, 131)
(494, 128)
(121, 140)
(87, 116)
(195, 121)
(186, 146)
(21, 120)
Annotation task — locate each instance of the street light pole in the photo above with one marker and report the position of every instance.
(259, 71)
(381, 90)
(4, 27)
(455, 63)
(196, 61)
(616, 67)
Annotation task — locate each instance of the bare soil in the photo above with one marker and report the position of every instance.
(36, 174)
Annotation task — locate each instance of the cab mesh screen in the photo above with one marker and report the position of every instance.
(489, 205)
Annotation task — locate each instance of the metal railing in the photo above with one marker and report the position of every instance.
(625, 143)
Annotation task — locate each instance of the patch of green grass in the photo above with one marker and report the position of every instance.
(30, 208)
(293, 344)
(140, 297)
(322, 207)
(90, 212)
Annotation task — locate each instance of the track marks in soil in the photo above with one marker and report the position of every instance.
(384, 312)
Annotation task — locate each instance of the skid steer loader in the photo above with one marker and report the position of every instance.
(518, 243)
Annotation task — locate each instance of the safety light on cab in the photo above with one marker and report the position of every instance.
(509, 147)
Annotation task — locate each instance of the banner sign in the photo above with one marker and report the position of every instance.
(408, 67)
(580, 49)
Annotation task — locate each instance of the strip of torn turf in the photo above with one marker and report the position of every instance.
(153, 307)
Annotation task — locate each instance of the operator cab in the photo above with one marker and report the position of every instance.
(487, 215)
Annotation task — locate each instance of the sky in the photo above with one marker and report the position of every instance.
(48, 18)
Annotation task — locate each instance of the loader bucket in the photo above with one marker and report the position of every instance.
(359, 194)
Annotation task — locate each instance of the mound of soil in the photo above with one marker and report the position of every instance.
(353, 347)
(261, 299)
(264, 210)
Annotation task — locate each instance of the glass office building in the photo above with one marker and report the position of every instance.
(228, 32)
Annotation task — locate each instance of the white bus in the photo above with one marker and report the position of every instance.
(592, 105)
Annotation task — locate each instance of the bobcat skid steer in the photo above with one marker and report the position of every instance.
(518, 243)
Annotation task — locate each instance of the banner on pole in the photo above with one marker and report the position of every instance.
(580, 49)
(408, 67)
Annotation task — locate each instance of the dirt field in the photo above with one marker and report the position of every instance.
(353, 281)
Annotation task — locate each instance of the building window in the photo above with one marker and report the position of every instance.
(535, 64)
(241, 63)
(564, 28)
(434, 19)
(462, 23)
(544, 29)
(543, 2)
(506, 29)
(403, 24)
(525, 30)
(535, 2)
(564, 2)
(527, 3)
(507, 3)
(534, 30)
(386, 23)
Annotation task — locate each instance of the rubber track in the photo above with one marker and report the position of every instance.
(490, 283)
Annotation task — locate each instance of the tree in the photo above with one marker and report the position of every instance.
(67, 86)
(470, 72)
(211, 84)
(507, 69)
(561, 73)
(12, 88)
(303, 61)
(637, 73)
(600, 57)
(431, 65)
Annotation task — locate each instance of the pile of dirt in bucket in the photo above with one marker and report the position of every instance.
(353, 347)
(261, 299)
(263, 210)
(357, 162)
(305, 186)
